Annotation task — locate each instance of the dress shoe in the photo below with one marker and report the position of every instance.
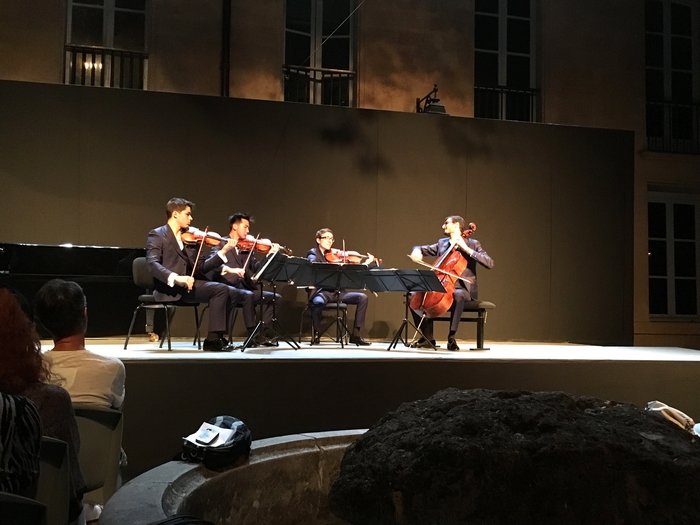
(316, 339)
(452, 344)
(216, 345)
(264, 341)
(357, 340)
(423, 343)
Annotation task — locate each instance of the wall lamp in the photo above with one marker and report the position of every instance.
(430, 104)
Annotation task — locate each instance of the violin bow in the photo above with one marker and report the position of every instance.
(199, 252)
(245, 264)
(436, 269)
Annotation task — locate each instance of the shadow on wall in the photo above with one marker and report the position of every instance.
(457, 136)
(403, 59)
(461, 140)
(350, 134)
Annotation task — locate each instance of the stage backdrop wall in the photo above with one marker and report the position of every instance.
(94, 166)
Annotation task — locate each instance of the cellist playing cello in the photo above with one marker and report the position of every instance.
(465, 287)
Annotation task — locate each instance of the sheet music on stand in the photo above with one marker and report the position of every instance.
(280, 268)
(407, 282)
(277, 268)
(333, 276)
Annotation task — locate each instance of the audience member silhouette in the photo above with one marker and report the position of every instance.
(90, 378)
(24, 372)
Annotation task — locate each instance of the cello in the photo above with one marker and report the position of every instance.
(448, 269)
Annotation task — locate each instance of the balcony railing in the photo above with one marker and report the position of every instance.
(330, 87)
(99, 66)
(505, 103)
(673, 128)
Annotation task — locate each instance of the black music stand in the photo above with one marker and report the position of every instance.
(278, 268)
(334, 276)
(406, 281)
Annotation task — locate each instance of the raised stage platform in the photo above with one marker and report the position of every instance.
(280, 391)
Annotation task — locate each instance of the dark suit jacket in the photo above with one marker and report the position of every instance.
(235, 260)
(315, 255)
(164, 257)
(479, 256)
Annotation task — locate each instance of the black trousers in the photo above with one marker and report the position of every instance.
(458, 299)
(319, 300)
(222, 299)
(250, 299)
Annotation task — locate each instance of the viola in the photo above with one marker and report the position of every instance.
(195, 236)
(346, 256)
(259, 245)
(448, 269)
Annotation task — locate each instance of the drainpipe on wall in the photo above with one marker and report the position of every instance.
(225, 47)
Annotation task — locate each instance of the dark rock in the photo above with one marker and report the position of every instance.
(519, 458)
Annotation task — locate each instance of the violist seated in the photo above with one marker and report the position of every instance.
(466, 289)
(318, 297)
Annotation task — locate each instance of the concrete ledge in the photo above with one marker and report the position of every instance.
(285, 479)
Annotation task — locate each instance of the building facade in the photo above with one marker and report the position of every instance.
(629, 64)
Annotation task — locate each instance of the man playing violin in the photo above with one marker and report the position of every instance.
(171, 262)
(236, 270)
(320, 296)
(465, 289)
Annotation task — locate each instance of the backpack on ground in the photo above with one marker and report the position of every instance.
(218, 443)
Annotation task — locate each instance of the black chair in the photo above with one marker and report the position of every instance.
(340, 322)
(476, 313)
(144, 279)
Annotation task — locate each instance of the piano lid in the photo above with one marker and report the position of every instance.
(43, 259)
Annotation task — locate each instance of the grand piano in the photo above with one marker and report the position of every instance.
(103, 272)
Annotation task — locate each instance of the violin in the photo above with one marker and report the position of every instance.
(448, 269)
(259, 245)
(346, 256)
(195, 236)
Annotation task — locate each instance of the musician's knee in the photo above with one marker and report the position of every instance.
(318, 301)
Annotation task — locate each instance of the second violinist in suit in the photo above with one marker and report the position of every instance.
(236, 270)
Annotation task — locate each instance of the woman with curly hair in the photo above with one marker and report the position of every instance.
(20, 347)
(25, 372)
